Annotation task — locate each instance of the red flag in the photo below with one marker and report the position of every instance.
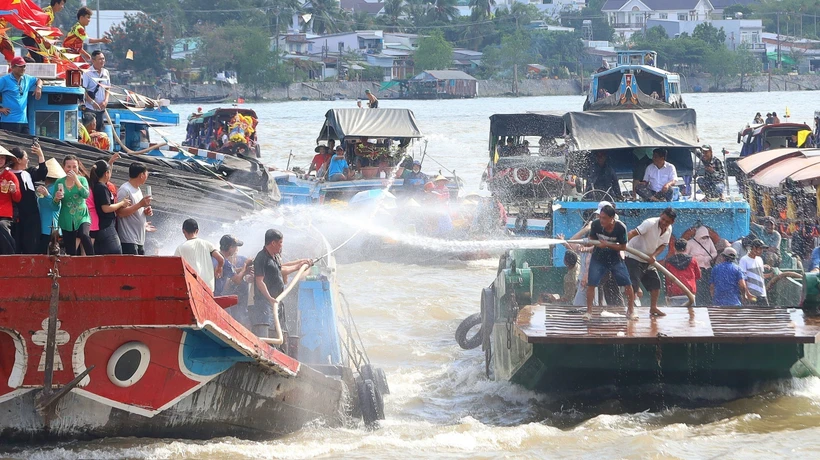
(25, 10)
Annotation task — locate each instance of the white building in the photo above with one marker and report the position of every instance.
(630, 16)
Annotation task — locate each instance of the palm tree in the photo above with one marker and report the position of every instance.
(482, 9)
(394, 11)
(363, 21)
(323, 12)
(417, 11)
(444, 10)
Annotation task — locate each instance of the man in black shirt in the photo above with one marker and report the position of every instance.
(270, 276)
(606, 257)
(602, 177)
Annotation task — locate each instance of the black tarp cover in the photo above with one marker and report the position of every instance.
(526, 124)
(617, 129)
(375, 123)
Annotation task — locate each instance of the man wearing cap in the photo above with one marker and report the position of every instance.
(770, 237)
(769, 119)
(650, 238)
(712, 181)
(14, 89)
(658, 179)
(338, 169)
(726, 283)
(414, 179)
(751, 265)
(372, 100)
(237, 272)
(602, 177)
(270, 276)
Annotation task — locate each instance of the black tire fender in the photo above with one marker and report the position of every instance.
(464, 328)
(371, 405)
(487, 315)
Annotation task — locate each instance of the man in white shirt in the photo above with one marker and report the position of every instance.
(651, 238)
(96, 82)
(198, 252)
(658, 179)
(751, 266)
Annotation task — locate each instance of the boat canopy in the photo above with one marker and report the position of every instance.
(375, 123)
(527, 124)
(772, 168)
(221, 113)
(618, 129)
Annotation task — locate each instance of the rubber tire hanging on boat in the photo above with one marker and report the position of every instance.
(371, 404)
(518, 180)
(463, 328)
(487, 324)
(377, 375)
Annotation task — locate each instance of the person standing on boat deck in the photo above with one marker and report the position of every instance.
(76, 37)
(72, 193)
(237, 272)
(14, 89)
(727, 284)
(131, 220)
(684, 268)
(712, 181)
(658, 179)
(769, 119)
(198, 252)
(106, 241)
(752, 267)
(606, 257)
(650, 238)
(702, 248)
(270, 277)
(758, 119)
(36, 45)
(338, 169)
(10, 194)
(602, 177)
(372, 100)
(770, 236)
(775, 118)
(49, 210)
(27, 223)
(96, 82)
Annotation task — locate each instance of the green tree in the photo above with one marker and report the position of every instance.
(143, 35)
(322, 14)
(558, 49)
(394, 13)
(714, 37)
(433, 53)
(746, 63)
(444, 11)
(482, 9)
(515, 50)
(720, 63)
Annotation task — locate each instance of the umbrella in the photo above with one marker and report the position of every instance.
(375, 197)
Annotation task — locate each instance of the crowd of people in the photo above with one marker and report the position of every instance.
(38, 204)
(228, 273)
(716, 271)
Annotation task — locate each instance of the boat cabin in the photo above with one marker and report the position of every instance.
(226, 130)
(758, 138)
(56, 114)
(636, 82)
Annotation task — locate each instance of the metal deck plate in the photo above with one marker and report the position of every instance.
(565, 325)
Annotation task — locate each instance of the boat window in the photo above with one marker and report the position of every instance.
(47, 124)
(70, 122)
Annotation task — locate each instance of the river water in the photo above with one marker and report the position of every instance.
(440, 405)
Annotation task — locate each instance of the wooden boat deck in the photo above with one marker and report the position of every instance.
(550, 324)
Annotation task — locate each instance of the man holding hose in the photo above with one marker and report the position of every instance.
(270, 278)
(650, 238)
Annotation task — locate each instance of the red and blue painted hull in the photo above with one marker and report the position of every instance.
(165, 359)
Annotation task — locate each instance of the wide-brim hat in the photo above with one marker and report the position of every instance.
(55, 171)
(318, 147)
(440, 177)
(4, 152)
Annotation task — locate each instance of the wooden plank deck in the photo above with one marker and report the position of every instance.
(552, 324)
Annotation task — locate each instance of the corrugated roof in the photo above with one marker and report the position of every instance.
(444, 75)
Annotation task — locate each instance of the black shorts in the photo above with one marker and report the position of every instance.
(641, 273)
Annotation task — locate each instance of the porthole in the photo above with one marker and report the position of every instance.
(128, 364)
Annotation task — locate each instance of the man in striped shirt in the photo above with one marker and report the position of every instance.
(751, 266)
